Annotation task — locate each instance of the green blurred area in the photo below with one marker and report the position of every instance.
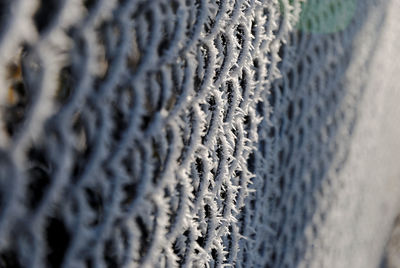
(323, 16)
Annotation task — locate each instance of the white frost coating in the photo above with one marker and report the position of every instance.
(17, 29)
(192, 133)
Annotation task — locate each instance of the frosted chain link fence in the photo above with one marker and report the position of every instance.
(171, 133)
